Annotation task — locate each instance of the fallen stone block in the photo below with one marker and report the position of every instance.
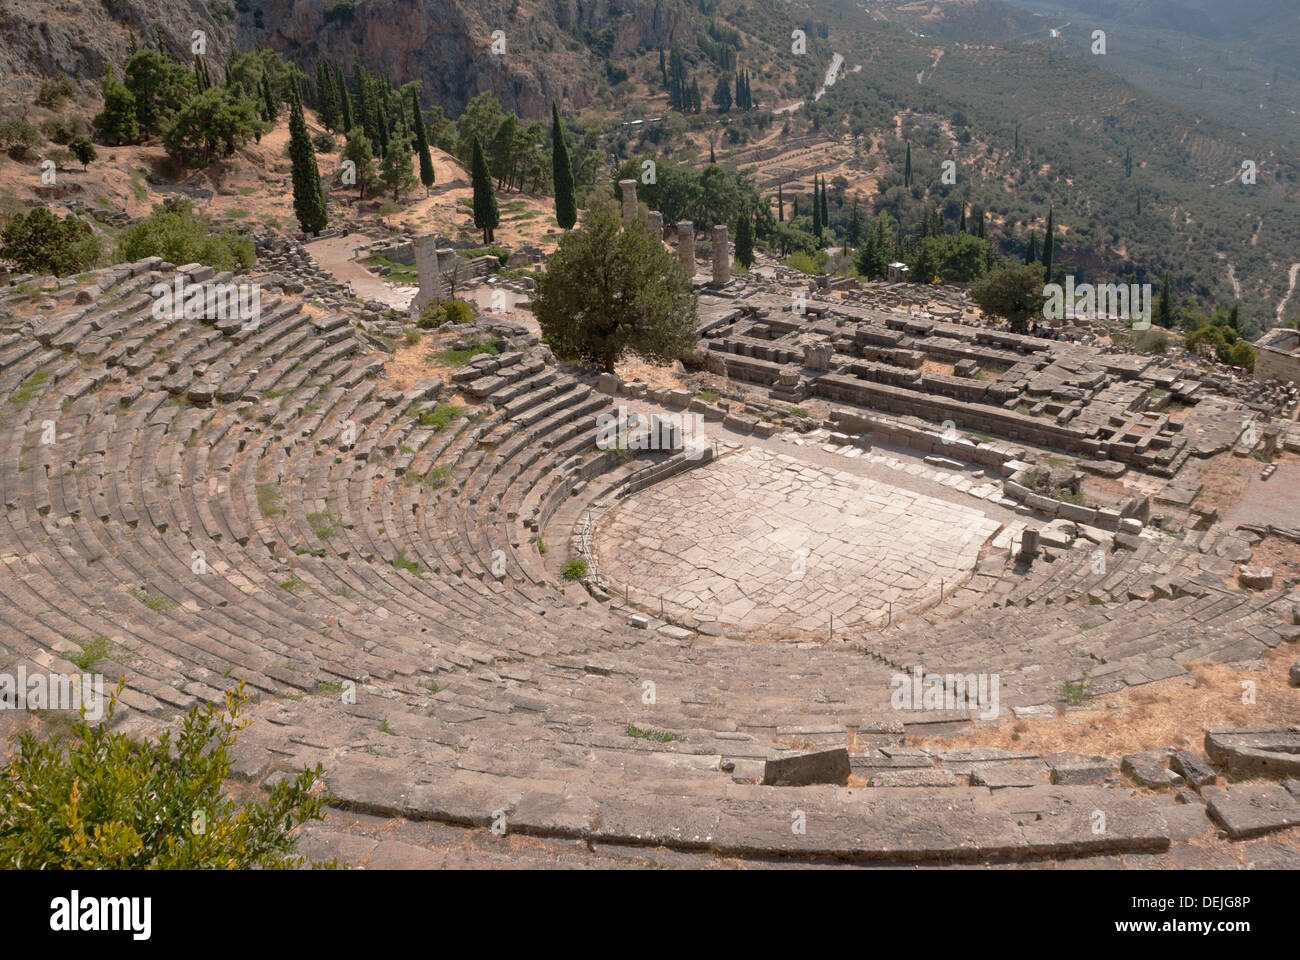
(1195, 770)
(1076, 768)
(1255, 751)
(825, 766)
(1251, 809)
(999, 775)
(1147, 770)
(1256, 578)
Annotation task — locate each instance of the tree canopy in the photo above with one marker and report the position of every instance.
(610, 290)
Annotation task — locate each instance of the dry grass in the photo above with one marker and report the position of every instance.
(1167, 713)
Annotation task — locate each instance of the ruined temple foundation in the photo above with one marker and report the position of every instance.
(721, 256)
(657, 224)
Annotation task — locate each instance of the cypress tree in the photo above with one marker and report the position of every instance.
(745, 239)
(907, 168)
(826, 215)
(308, 196)
(1165, 303)
(1031, 252)
(961, 227)
(268, 100)
(780, 204)
(345, 99)
(566, 206)
(486, 216)
(712, 158)
(422, 144)
(816, 212)
(1049, 243)
(854, 231)
(327, 95)
(982, 230)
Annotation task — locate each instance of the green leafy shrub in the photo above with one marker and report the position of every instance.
(20, 139)
(575, 569)
(445, 311)
(99, 800)
(39, 242)
(176, 234)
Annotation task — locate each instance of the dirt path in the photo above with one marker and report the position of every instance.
(1281, 307)
(335, 255)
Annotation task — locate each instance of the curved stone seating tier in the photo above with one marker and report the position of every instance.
(200, 516)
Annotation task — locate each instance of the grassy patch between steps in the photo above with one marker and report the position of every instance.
(154, 601)
(650, 733)
(323, 524)
(458, 358)
(441, 415)
(93, 649)
(268, 499)
(30, 387)
(575, 569)
(402, 562)
(1075, 694)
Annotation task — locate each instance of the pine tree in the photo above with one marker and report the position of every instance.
(486, 216)
(422, 144)
(566, 207)
(395, 170)
(308, 196)
(1049, 244)
(360, 151)
(745, 239)
(907, 168)
(116, 123)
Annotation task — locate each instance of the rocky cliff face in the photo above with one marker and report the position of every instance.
(555, 49)
(47, 39)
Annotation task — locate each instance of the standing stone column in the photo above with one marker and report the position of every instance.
(686, 245)
(657, 225)
(426, 267)
(721, 255)
(629, 200)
